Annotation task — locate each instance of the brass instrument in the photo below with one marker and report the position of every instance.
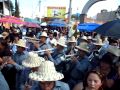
(68, 57)
(92, 55)
(40, 51)
(33, 40)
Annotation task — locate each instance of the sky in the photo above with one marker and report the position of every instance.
(30, 8)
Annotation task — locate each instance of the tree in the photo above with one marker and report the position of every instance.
(17, 11)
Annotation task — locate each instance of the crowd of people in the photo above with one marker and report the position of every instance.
(44, 59)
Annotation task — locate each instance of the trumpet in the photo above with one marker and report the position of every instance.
(40, 51)
(68, 56)
(30, 38)
(33, 40)
(93, 54)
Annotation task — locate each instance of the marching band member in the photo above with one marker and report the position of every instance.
(42, 44)
(58, 55)
(71, 43)
(79, 64)
(17, 59)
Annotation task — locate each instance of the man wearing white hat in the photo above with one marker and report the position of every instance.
(47, 78)
(114, 52)
(71, 43)
(79, 64)
(100, 47)
(17, 59)
(90, 43)
(58, 55)
(42, 44)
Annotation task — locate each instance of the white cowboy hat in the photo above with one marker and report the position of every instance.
(21, 43)
(72, 39)
(61, 42)
(1, 36)
(56, 31)
(45, 29)
(83, 46)
(44, 34)
(98, 42)
(84, 38)
(114, 50)
(33, 60)
(46, 72)
(89, 38)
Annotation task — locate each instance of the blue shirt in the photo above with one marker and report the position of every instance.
(56, 57)
(81, 67)
(58, 86)
(3, 83)
(18, 58)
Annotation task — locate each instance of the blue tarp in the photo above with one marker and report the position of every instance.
(31, 20)
(57, 23)
(87, 27)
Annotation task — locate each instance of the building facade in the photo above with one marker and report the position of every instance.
(4, 7)
(105, 16)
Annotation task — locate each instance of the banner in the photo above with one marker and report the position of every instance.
(58, 12)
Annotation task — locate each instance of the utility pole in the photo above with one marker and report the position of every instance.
(39, 9)
(39, 5)
(69, 11)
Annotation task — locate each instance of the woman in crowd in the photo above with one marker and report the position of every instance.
(92, 81)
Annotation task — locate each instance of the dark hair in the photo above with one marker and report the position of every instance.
(55, 34)
(3, 42)
(6, 51)
(107, 59)
(112, 41)
(87, 75)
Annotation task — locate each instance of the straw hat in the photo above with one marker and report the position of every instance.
(33, 60)
(114, 50)
(83, 46)
(44, 34)
(61, 42)
(5, 34)
(46, 72)
(21, 43)
(72, 39)
(98, 42)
